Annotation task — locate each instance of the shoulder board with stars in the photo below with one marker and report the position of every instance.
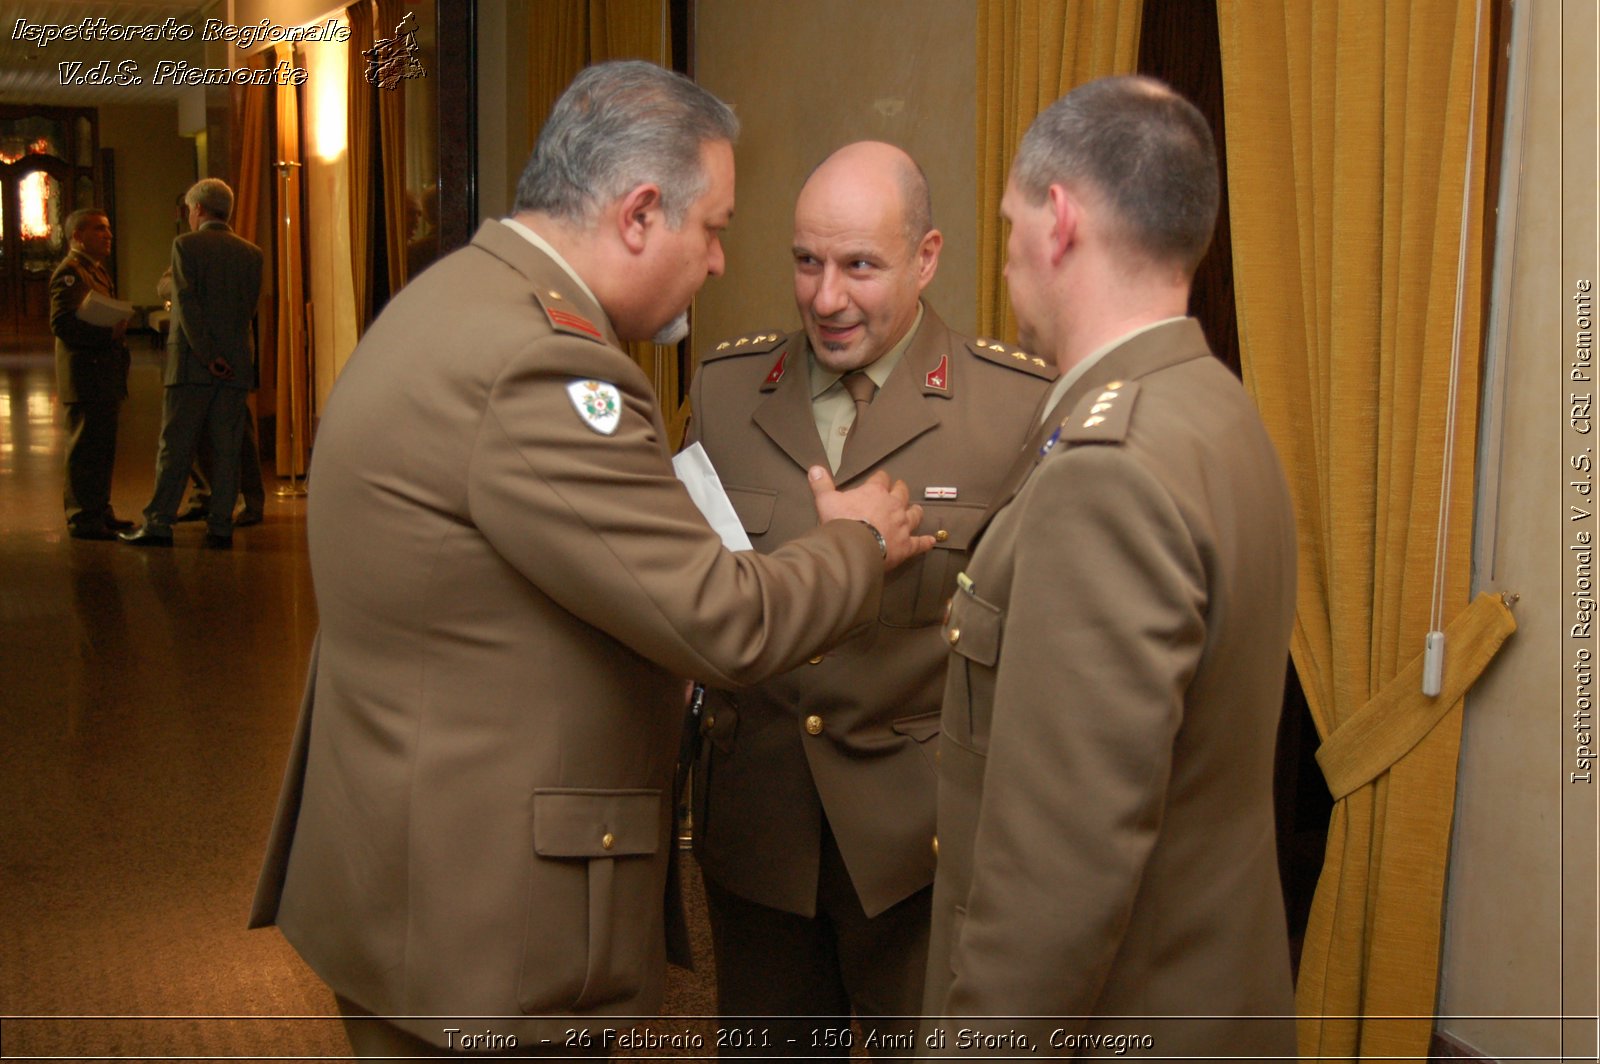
(1103, 415)
(1005, 355)
(748, 344)
(563, 317)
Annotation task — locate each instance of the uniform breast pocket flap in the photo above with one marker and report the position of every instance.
(754, 507)
(596, 823)
(973, 629)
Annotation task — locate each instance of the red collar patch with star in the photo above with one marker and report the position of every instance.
(939, 376)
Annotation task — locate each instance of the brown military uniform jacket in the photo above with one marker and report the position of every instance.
(91, 363)
(511, 585)
(852, 733)
(1106, 831)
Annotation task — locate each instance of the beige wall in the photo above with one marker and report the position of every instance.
(806, 78)
(505, 134)
(1525, 834)
(153, 164)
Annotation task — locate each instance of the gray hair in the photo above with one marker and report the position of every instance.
(617, 126)
(1143, 147)
(212, 195)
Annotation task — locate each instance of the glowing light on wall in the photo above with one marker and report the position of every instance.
(326, 67)
(35, 195)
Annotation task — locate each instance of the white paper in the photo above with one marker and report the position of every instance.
(693, 467)
(101, 310)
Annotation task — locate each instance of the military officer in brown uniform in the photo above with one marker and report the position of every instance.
(1107, 855)
(512, 588)
(815, 791)
(91, 376)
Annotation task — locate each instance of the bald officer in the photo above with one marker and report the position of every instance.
(814, 822)
(476, 827)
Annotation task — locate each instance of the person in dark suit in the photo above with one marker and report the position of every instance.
(216, 281)
(814, 798)
(251, 488)
(512, 586)
(1107, 862)
(91, 376)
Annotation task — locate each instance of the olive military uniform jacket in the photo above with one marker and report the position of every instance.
(511, 585)
(1107, 845)
(853, 732)
(91, 362)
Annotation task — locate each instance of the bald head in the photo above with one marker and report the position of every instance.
(864, 249)
(882, 175)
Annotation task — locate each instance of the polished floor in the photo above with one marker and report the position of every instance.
(147, 700)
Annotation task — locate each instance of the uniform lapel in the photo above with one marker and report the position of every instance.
(785, 414)
(901, 411)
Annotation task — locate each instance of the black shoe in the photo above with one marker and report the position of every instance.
(193, 513)
(248, 518)
(216, 542)
(100, 532)
(144, 537)
(117, 524)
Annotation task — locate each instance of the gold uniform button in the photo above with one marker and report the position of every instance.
(813, 725)
(942, 535)
(816, 660)
(936, 845)
(607, 841)
(955, 636)
(711, 722)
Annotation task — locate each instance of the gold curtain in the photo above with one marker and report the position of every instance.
(567, 35)
(252, 206)
(1030, 53)
(392, 144)
(1347, 145)
(291, 401)
(358, 158)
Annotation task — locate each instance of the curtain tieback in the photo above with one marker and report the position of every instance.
(1397, 718)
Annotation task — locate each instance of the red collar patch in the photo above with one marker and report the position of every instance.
(566, 319)
(939, 376)
(776, 374)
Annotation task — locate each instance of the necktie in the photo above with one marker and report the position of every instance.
(861, 389)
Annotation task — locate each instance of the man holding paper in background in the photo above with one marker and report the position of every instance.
(814, 795)
(91, 373)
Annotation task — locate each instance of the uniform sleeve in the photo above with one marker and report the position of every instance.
(67, 293)
(1103, 633)
(600, 524)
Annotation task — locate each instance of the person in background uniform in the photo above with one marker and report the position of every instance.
(477, 819)
(815, 790)
(91, 376)
(216, 282)
(1118, 645)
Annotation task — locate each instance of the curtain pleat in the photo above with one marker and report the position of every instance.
(1030, 53)
(292, 402)
(358, 158)
(250, 175)
(1347, 147)
(392, 147)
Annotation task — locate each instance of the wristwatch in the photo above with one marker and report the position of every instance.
(883, 546)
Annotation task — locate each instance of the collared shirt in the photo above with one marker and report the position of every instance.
(831, 406)
(544, 245)
(102, 276)
(1067, 379)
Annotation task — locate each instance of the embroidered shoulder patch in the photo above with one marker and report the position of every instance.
(598, 403)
